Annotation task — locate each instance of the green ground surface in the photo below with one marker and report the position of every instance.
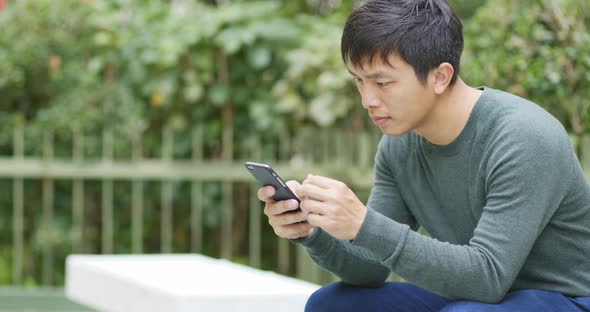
(37, 300)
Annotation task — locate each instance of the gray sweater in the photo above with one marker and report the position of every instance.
(506, 204)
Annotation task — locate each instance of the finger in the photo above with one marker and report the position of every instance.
(276, 208)
(266, 193)
(293, 185)
(313, 206)
(316, 219)
(286, 219)
(322, 182)
(312, 191)
(303, 213)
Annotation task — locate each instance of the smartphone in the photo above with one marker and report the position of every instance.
(267, 176)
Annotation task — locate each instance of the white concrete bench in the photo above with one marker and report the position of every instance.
(179, 283)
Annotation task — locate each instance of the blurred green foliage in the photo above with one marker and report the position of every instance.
(316, 85)
(537, 49)
(136, 66)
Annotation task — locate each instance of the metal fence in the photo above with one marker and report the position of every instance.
(339, 154)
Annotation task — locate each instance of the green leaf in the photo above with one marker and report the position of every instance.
(193, 93)
(259, 57)
(218, 94)
(102, 39)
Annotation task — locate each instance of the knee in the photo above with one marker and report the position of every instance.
(342, 297)
(326, 298)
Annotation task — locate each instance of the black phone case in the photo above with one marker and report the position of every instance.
(267, 176)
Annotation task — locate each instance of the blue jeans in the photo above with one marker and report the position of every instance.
(401, 297)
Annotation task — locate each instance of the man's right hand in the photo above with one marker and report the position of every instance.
(285, 222)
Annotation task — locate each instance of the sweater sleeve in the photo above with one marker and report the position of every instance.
(356, 264)
(527, 177)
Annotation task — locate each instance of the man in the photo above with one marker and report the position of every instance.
(490, 176)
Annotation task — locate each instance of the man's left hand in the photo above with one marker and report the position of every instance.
(332, 206)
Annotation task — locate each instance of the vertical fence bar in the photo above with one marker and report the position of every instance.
(305, 135)
(137, 200)
(226, 223)
(300, 148)
(107, 195)
(18, 208)
(283, 244)
(47, 227)
(167, 227)
(197, 195)
(349, 143)
(78, 195)
(365, 150)
(254, 234)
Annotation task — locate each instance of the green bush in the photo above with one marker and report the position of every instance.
(537, 49)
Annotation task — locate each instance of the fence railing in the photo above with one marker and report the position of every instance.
(342, 155)
(72, 186)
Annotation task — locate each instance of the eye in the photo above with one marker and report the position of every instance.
(383, 84)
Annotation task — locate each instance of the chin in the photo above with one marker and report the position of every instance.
(395, 131)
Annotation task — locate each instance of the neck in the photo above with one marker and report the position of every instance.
(450, 114)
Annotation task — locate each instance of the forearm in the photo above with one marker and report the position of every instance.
(471, 272)
(351, 263)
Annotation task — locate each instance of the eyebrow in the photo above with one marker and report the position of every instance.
(373, 75)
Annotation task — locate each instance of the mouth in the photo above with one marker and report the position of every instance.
(379, 121)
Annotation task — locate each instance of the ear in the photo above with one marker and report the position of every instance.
(442, 76)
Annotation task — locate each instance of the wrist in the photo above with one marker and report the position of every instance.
(359, 223)
(306, 239)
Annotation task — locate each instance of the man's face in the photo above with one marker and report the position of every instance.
(394, 97)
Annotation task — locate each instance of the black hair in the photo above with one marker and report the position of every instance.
(424, 33)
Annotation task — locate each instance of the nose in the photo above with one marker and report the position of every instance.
(369, 98)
